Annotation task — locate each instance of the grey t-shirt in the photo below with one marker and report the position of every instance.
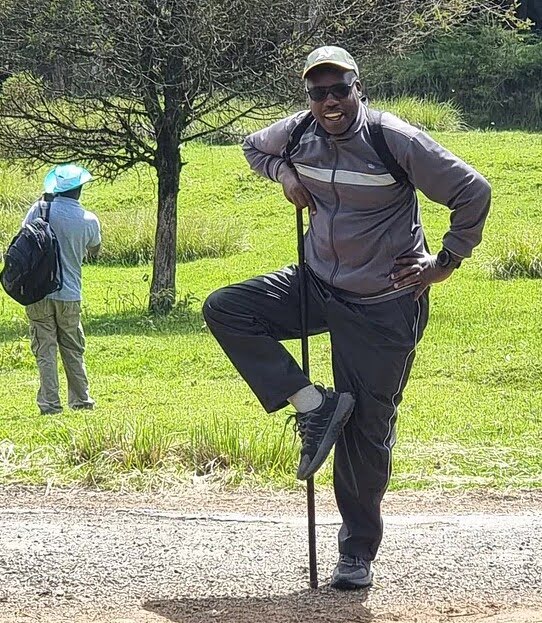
(77, 230)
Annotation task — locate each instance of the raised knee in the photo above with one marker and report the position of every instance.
(215, 303)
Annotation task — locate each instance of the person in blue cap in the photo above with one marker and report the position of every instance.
(55, 321)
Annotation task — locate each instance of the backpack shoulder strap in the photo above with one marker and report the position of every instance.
(374, 123)
(295, 137)
(45, 209)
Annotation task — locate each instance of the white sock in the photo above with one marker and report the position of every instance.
(306, 399)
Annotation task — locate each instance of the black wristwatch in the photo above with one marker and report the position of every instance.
(445, 260)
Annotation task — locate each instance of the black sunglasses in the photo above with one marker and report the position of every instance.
(339, 91)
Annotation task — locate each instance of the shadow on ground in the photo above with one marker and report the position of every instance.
(309, 606)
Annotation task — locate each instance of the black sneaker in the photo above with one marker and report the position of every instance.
(351, 572)
(320, 429)
(85, 406)
(51, 411)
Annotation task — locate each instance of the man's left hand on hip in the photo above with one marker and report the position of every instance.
(421, 272)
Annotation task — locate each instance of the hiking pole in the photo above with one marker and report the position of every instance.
(313, 570)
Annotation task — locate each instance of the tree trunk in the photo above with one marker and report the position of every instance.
(168, 167)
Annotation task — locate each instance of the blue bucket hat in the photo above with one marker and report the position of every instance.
(65, 177)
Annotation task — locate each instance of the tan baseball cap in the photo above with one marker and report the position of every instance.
(330, 55)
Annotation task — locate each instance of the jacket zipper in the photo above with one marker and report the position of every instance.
(337, 205)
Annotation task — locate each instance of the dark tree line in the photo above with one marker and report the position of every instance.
(531, 10)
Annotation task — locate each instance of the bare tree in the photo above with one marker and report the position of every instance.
(114, 83)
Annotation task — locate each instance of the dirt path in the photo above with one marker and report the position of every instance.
(203, 556)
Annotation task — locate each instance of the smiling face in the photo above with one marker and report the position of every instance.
(334, 113)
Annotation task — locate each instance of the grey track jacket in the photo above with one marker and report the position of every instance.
(365, 220)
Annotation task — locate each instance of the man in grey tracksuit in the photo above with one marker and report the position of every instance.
(368, 277)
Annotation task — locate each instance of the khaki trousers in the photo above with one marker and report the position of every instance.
(56, 325)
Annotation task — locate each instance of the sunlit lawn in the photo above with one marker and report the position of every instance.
(472, 411)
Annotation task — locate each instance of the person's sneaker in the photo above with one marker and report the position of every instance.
(320, 429)
(351, 572)
(51, 411)
(87, 406)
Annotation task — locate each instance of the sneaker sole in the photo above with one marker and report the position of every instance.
(345, 406)
(345, 584)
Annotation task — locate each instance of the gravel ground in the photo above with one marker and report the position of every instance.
(204, 556)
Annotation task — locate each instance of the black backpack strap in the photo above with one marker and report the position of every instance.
(295, 137)
(374, 123)
(45, 211)
(58, 262)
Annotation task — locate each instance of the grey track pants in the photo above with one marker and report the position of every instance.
(372, 349)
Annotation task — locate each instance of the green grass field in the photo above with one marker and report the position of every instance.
(171, 406)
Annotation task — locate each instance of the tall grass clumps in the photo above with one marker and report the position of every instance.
(17, 194)
(128, 237)
(223, 446)
(519, 256)
(17, 464)
(10, 221)
(106, 451)
(426, 114)
(209, 237)
(17, 188)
